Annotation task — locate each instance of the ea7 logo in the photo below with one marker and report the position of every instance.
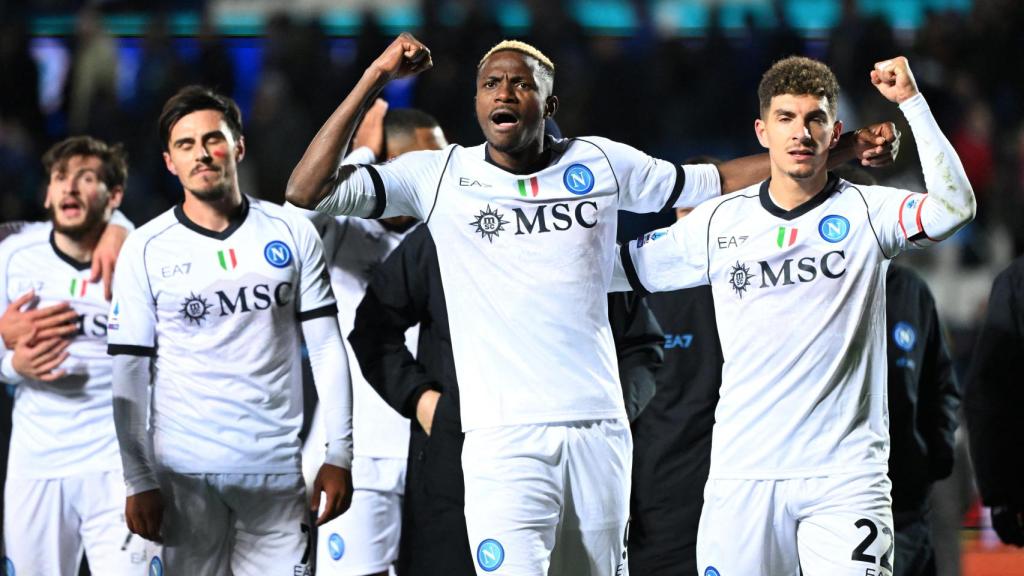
(832, 265)
(176, 269)
(678, 340)
(730, 241)
(470, 182)
(562, 217)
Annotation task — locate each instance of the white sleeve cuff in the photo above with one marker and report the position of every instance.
(339, 453)
(915, 107)
(7, 372)
(703, 182)
(361, 155)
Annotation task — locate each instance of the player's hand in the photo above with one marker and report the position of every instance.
(105, 255)
(52, 321)
(371, 130)
(38, 360)
(894, 79)
(1008, 522)
(336, 484)
(144, 514)
(425, 408)
(406, 56)
(877, 145)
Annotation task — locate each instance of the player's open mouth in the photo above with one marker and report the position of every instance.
(802, 154)
(70, 208)
(504, 119)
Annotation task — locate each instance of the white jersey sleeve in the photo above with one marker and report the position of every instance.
(913, 220)
(405, 186)
(131, 323)
(315, 296)
(670, 258)
(647, 184)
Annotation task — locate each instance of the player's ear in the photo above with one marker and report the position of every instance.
(240, 149)
(116, 195)
(550, 106)
(169, 164)
(837, 131)
(759, 130)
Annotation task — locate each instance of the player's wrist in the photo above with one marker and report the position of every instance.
(339, 453)
(915, 107)
(7, 371)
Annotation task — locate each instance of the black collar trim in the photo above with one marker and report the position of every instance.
(766, 200)
(236, 220)
(553, 149)
(77, 265)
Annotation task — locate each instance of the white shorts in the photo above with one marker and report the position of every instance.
(548, 497)
(238, 524)
(48, 523)
(826, 526)
(364, 540)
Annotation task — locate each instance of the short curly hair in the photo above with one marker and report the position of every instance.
(799, 76)
(113, 173)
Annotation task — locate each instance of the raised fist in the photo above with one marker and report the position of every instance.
(894, 79)
(406, 56)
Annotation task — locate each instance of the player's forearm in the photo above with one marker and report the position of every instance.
(319, 169)
(131, 404)
(117, 218)
(739, 173)
(950, 203)
(333, 381)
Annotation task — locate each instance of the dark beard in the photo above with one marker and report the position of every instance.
(214, 194)
(93, 221)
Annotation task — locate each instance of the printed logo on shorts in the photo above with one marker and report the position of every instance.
(156, 567)
(578, 179)
(277, 254)
(8, 567)
(904, 336)
(711, 571)
(490, 555)
(336, 546)
(834, 228)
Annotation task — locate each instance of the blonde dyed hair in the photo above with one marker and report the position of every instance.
(522, 48)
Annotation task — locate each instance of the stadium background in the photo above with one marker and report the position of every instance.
(675, 78)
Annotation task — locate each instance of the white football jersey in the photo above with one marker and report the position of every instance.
(800, 305)
(526, 261)
(65, 427)
(220, 314)
(354, 247)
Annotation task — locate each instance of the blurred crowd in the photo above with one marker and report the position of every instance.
(673, 97)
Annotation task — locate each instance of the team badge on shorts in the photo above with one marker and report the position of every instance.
(277, 254)
(156, 567)
(490, 555)
(578, 179)
(711, 571)
(904, 336)
(834, 228)
(336, 546)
